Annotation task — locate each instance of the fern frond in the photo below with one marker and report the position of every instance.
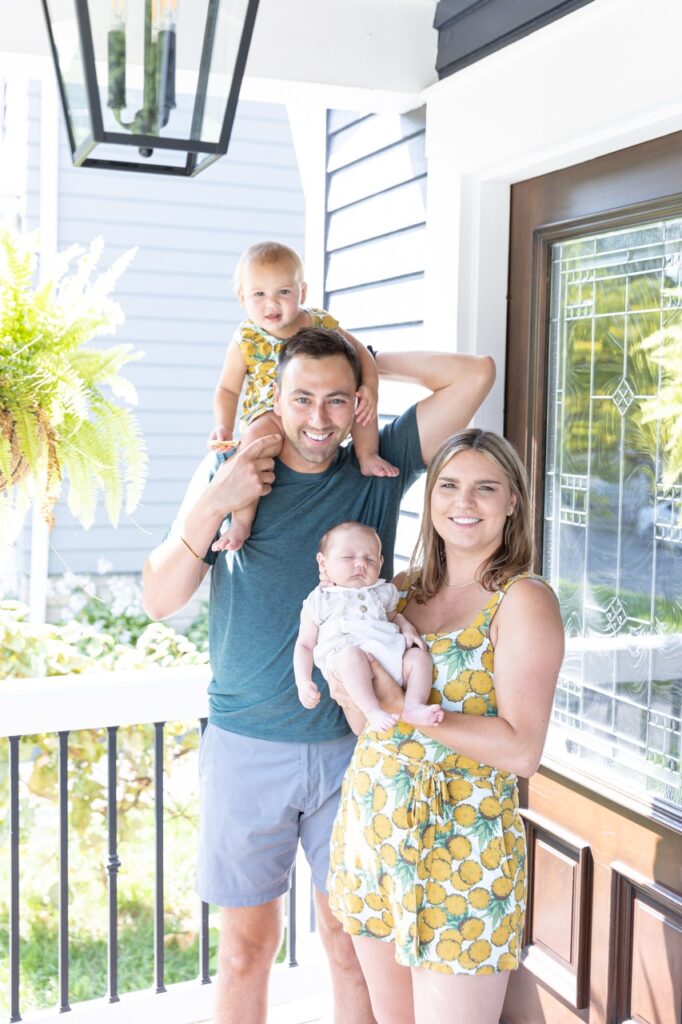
(80, 462)
(30, 437)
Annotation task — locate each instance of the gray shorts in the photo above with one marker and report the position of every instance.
(258, 798)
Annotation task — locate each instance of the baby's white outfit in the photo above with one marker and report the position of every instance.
(348, 615)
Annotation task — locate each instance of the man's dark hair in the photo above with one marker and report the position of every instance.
(318, 343)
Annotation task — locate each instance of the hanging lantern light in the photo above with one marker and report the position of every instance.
(149, 85)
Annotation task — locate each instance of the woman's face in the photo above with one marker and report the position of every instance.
(470, 502)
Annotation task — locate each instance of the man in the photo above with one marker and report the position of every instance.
(271, 769)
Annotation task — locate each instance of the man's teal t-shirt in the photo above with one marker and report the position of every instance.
(257, 593)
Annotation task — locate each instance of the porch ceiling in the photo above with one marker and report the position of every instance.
(360, 54)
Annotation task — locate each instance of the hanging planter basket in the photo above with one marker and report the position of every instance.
(19, 466)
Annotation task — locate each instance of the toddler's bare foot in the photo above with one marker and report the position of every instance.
(374, 465)
(233, 539)
(380, 720)
(422, 714)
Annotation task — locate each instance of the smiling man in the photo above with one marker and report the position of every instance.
(271, 769)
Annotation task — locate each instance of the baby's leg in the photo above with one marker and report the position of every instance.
(239, 529)
(418, 676)
(354, 672)
(366, 441)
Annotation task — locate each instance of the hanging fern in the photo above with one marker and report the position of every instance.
(60, 416)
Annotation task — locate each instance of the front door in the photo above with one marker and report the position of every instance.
(594, 405)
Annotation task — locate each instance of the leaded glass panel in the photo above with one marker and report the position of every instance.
(613, 503)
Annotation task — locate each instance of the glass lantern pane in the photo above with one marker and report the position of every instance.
(62, 14)
(154, 56)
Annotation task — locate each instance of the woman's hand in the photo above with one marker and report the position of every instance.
(354, 716)
(390, 693)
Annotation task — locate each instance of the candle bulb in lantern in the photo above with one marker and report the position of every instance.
(166, 58)
(116, 57)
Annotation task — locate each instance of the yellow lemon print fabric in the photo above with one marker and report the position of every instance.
(260, 352)
(428, 847)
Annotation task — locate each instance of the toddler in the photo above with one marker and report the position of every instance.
(270, 287)
(355, 614)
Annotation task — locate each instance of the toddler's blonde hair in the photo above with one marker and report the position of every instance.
(267, 253)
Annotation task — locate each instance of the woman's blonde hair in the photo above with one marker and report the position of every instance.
(516, 552)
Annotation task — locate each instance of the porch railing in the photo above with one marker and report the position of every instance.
(61, 705)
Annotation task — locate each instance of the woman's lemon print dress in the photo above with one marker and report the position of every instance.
(428, 847)
(260, 351)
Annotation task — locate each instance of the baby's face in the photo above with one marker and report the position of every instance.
(271, 294)
(352, 559)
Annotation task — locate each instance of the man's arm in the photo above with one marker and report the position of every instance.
(175, 569)
(458, 383)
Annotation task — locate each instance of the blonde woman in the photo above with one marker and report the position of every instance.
(428, 850)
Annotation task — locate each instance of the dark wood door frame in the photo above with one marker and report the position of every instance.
(603, 867)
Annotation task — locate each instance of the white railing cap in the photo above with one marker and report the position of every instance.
(92, 700)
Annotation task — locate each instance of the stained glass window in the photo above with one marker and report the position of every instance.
(613, 503)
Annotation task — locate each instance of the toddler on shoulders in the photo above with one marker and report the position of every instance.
(270, 287)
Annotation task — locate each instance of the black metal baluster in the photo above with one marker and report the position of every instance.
(14, 877)
(158, 822)
(291, 922)
(63, 872)
(204, 951)
(113, 864)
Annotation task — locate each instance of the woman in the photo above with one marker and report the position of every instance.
(428, 850)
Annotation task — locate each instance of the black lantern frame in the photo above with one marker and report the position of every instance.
(200, 153)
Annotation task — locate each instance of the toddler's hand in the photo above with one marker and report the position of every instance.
(308, 694)
(366, 409)
(218, 436)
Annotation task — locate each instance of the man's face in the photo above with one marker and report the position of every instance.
(316, 403)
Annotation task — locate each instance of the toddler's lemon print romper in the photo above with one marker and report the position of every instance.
(428, 847)
(260, 351)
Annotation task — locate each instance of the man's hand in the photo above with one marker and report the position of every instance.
(247, 476)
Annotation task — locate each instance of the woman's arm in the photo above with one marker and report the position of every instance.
(529, 649)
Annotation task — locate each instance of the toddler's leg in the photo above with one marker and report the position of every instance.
(418, 676)
(239, 529)
(354, 672)
(366, 441)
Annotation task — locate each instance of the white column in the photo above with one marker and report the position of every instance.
(309, 134)
(50, 126)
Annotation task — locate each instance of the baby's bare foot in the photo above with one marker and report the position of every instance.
(422, 714)
(380, 720)
(374, 465)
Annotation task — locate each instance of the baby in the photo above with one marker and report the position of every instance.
(270, 287)
(354, 615)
